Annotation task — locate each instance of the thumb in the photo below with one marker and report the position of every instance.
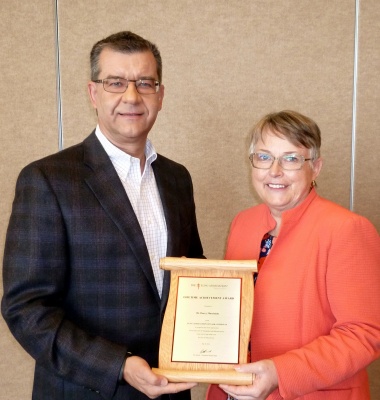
(245, 368)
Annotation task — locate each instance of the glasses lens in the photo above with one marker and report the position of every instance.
(261, 160)
(147, 86)
(115, 85)
(287, 161)
(291, 161)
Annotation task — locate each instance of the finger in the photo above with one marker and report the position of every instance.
(155, 379)
(155, 391)
(238, 392)
(246, 368)
(177, 387)
(240, 397)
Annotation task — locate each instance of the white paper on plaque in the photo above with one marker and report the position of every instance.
(207, 320)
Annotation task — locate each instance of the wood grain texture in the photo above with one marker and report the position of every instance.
(206, 372)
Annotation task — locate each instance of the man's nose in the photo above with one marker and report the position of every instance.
(131, 94)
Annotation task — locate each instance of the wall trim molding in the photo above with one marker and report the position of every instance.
(58, 76)
(354, 104)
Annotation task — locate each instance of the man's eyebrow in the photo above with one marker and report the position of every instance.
(140, 77)
(114, 77)
(148, 77)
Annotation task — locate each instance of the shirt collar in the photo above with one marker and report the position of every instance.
(122, 160)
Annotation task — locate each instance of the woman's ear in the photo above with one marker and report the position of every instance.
(317, 166)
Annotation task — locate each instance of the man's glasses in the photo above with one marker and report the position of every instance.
(120, 85)
(291, 162)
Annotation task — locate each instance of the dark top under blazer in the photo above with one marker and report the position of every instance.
(79, 290)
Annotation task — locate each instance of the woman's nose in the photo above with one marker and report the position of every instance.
(276, 168)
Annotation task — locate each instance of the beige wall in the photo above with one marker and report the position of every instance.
(294, 54)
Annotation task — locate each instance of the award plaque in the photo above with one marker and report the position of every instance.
(207, 322)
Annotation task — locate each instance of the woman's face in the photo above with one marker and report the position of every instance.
(282, 189)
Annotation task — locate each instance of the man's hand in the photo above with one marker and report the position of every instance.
(264, 383)
(138, 374)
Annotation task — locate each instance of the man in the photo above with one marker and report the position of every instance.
(83, 292)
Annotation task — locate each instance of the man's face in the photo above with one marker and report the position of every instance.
(126, 118)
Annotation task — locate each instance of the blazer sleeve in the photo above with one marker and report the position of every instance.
(338, 359)
(35, 270)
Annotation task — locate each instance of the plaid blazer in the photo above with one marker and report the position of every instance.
(79, 290)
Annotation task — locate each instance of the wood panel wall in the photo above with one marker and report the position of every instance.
(225, 65)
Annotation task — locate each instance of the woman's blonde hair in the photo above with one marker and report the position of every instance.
(293, 126)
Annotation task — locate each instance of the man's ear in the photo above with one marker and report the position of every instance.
(92, 91)
(161, 93)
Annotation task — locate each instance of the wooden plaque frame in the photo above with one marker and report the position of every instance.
(203, 372)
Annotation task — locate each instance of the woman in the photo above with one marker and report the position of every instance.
(316, 322)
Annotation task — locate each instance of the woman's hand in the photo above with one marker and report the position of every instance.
(265, 381)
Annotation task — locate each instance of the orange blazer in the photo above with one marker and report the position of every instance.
(317, 298)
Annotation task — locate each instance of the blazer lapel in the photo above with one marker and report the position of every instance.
(166, 187)
(104, 182)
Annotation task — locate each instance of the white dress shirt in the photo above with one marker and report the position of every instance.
(143, 194)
